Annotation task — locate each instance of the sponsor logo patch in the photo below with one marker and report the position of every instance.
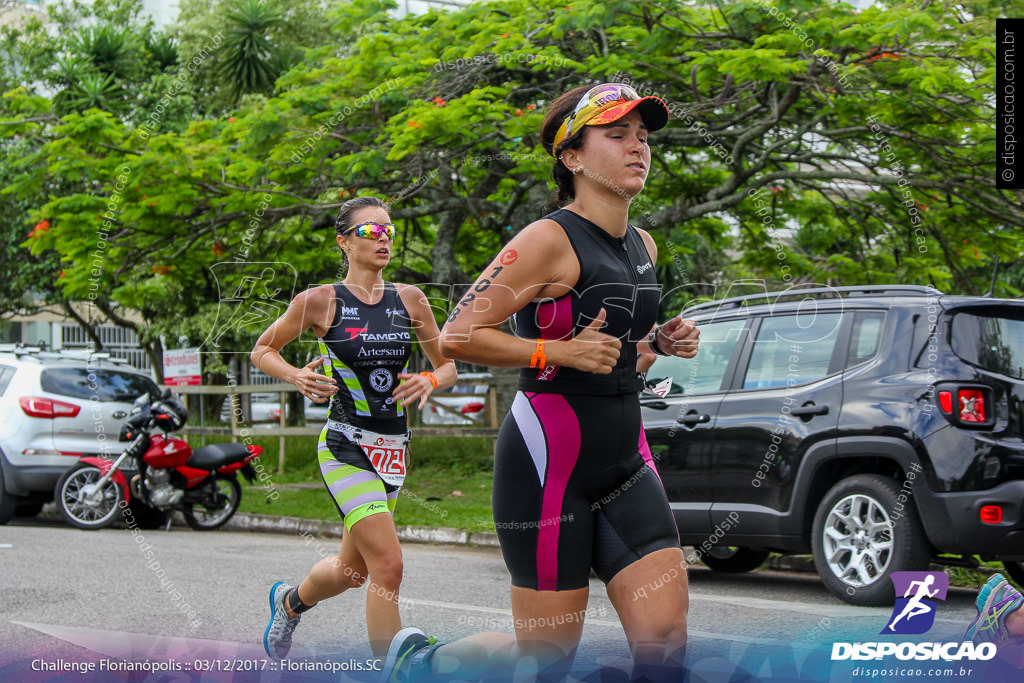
(381, 380)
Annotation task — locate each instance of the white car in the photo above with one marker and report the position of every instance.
(266, 407)
(468, 409)
(316, 413)
(58, 406)
(266, 410)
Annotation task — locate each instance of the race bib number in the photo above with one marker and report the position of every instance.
(387, 455)
(661, 389)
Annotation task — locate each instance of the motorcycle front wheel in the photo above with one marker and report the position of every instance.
(81, 503)
(213, 504)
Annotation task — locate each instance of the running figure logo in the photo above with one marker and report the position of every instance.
(254, 299)
(914, 612)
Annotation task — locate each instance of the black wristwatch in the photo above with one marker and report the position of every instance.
(652, 342)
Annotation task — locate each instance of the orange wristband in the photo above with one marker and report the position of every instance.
(538, 359)
(432, 377)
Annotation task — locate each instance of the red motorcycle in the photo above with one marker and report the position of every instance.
(167, 475)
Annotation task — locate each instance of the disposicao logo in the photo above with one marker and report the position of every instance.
(914, 614)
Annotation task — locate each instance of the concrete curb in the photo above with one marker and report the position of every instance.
(409, 534)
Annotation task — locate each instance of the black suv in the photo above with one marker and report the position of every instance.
(876, 427)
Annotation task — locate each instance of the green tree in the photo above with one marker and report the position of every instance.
(101, 55)
(87, 56)
(262, 40)
(801, 149)
(251, 63)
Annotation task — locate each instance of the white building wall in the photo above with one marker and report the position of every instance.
(422, 6)
(163, 12)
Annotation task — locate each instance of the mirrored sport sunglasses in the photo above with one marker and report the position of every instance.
(590, 106)
(373, 231)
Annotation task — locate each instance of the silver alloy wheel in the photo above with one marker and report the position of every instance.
(83, 502)
(857, 540)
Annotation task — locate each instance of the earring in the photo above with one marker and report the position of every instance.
(576, 170)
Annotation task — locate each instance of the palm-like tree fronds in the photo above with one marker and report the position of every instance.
(251, 63)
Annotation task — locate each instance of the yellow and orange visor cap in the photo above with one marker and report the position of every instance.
(607, 103)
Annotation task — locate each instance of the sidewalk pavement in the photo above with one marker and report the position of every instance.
(274, 524)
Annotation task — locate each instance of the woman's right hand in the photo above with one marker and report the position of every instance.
(314, 386)
(591, 350)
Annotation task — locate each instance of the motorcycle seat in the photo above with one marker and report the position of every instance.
(216, 455)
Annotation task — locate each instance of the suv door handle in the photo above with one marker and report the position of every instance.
(693, 418)
(809, 410)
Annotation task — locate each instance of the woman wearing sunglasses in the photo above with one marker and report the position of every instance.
(574, 485)
(363, 326)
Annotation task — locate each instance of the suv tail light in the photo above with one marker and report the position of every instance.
(47, 407)
(967, 406)
(474, 407)
(991, 514)
(971, 405)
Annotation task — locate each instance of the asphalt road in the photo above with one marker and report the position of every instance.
(67, 594)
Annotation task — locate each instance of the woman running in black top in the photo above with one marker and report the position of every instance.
(363, 324)
(572, 488)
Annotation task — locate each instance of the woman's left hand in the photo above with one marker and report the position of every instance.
(679, 337)
(414, 387)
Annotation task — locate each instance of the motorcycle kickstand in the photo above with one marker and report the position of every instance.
(170, 518)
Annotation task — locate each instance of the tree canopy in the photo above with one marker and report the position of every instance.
(810, 142)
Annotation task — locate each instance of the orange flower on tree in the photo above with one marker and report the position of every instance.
(40, 227)
(415, 124)
(439, 101)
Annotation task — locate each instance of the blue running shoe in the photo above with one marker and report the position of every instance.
(992, 583)
(408, 657)
(990, 624)
(277, 639)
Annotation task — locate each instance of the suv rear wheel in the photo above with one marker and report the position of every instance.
(146, 517)
(859, 540)
(8, 505)
(28, 509)
(732, 560)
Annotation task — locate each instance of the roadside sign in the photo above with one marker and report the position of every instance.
(181, 367)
